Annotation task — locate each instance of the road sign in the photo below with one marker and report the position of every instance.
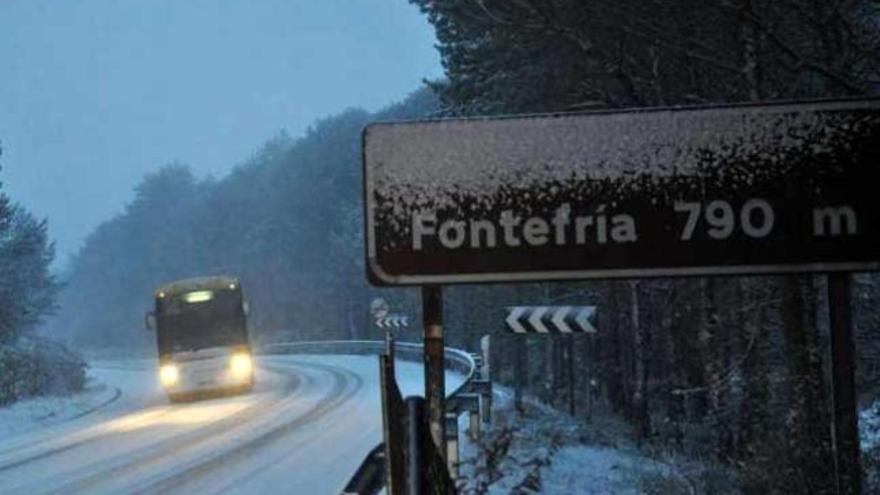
(551, 319)
(379, 308)
(682, 191)
(392, 321)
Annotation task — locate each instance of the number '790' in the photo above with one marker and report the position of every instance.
(755, 218)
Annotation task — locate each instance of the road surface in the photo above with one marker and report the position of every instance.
(305, 429)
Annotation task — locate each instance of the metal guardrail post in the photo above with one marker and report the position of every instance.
(452, 455)
(389, 344)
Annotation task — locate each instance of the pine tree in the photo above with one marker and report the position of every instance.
(27, 286)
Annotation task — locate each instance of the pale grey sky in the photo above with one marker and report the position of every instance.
(96, 93)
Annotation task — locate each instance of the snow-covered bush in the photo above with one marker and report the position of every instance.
(38, 367)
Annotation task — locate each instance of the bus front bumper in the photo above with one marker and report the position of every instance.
(231, 372)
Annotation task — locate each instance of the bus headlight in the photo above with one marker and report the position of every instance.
(241, 365)
(169, 375)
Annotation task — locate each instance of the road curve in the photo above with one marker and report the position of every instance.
(304, 429)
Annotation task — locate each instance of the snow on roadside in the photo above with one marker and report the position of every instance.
(588, 470)
(869, 432)
(38, 412)
(550, 453)
(869, 427)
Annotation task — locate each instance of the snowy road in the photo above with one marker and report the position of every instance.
(304, 429)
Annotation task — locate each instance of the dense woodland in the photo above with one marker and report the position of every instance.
(732, 370)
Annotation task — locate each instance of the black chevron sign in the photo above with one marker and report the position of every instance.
(551, 319)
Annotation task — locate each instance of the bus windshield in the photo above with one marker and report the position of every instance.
(200, 319)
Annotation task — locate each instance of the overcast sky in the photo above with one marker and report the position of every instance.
(96, 93)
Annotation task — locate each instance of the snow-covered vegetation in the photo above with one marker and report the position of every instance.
(545, 451)
(38, 367)
(28, 291)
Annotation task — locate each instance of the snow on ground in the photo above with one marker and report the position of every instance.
(39, 412)
(305, 428)
(586, 470)
(869, 427)
(548, 452)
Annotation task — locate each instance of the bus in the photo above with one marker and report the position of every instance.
(202, 338)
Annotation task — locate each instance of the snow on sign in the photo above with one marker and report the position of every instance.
(711, 190)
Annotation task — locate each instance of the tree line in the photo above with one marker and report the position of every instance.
(730, 369)
(27, 285)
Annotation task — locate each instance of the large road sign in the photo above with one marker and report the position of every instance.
(714, 190)
(551, 319)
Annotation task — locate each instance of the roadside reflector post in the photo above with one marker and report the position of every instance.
(485, 343)
(435, 377)
(846, 428)
(474, 423)
(520, 374)
(569, 351)
(486, 401)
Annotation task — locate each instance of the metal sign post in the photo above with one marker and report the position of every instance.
(846, 429)
(435, 372)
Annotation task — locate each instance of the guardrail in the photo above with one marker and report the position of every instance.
(456, 359)
(472, 396)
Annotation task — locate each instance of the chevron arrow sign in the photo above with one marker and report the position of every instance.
(392, 321)
(551, 319)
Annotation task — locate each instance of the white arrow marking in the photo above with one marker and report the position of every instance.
(583, 319)
(535, 319)
(559, 319)
(513, 319)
